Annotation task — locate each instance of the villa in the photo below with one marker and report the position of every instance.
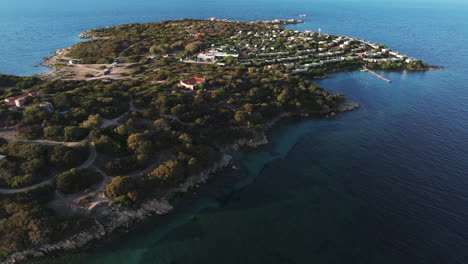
(198, 36)
(214, 55)
(19, 100)
(192, 83)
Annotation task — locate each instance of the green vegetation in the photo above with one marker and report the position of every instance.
(120, 186)
(26, 222)
(28, 163)
(150, 133)
(413, 66)
(76, 180)
(170, 171)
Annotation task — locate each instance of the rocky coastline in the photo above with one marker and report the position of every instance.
(109, 219)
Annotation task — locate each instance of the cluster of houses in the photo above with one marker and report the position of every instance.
(20, 100)
(300, 50)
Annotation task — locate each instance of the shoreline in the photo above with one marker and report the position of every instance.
(117, 218)
(114, 218)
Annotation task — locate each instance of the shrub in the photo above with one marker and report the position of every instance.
(76, 180)
(122, 165)
(29, 132)
(169, 172)
(119, 186)
(53, 133)
(74, 133)
(92, 122)
(66, 157)
(124, 200)
(110, 147)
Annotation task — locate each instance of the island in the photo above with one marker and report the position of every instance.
(140, 113)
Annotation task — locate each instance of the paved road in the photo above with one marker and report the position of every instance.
(112, 122)
(22, 190)
(51, 142)
(133, 107)
(92, 157)
(175, 118)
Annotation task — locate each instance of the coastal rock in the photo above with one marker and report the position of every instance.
(85, 35)
(347, 106)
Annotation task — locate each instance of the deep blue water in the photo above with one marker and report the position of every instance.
(387, 183)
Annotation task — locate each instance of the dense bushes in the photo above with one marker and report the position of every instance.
(54, 133)
(65, 157)
(171, 171)
(120, 186)
(76, 180)
(19, 82)
(412, 66)
(26, 222)
(74, 133)
(27, 163)
(122, 165)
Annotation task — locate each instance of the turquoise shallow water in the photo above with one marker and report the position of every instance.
(387, 183)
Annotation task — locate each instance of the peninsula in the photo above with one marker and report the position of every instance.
(142, 112)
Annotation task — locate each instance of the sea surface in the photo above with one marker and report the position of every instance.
(387, 183)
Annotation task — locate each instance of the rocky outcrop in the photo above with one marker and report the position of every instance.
(257, 140)
(85, 35)
(347, 106)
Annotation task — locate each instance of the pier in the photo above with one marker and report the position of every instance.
(376, 74)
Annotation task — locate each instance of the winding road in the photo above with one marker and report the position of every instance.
(26, 189)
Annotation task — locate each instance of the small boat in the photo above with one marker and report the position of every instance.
(303, 15)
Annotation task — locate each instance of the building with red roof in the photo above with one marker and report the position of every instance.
(20, 99)
(192, 83)
(198, 36)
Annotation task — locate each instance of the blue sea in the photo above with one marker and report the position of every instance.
(387, 183)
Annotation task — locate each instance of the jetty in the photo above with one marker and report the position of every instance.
(376, 74)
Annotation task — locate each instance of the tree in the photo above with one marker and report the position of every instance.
(53, 133)
(107, 145)
(123, 130)
(185, 138)
(161, 125)
(76, 180)
(74, 133)
(119, 186)
(33, 166)
(240, 116)
(92, 122)
(95, 134)
(178, 109)
(140, 143)
(29, 132)
(283, 97)
(65, 157)
(35, 114)
(193, 165)
(62, 101)
(171, 171)
(193, 47)
(122, 165)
